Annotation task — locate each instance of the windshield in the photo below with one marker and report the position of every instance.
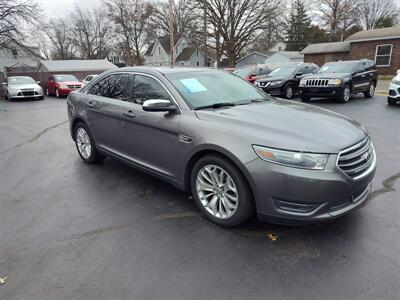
(65, 78)
(284, 71)
(242, 73)
(211, 87)
(337, 68)
(20, 80)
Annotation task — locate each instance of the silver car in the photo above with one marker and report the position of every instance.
(20, 87)
(237, 150)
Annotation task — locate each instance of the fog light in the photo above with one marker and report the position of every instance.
(295, 207)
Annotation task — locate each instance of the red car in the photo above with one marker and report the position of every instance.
(251, 74)
(61, 85)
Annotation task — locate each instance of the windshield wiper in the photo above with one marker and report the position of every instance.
(216, 105)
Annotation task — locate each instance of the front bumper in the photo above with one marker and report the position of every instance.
(328, 194)
(27, 94)
(323, 91)
(394, 91)
(65, 92)
(272, 90)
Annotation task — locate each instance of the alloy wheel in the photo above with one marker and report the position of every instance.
(372, 90)
(83, 143)
(57, 93)
(289, 92)
(346, 94)
(217, 191)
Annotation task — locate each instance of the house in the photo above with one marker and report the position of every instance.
(278, 46)
(185, 54)
(283, 57)
(381, 45)
(17, 56)
(91, 65)
(116, 58)
(253, 58)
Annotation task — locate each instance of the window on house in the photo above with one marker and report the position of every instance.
(198, 64)
(14, 52)
(383, 55)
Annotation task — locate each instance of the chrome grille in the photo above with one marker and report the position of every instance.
(74, 86)
(356, 161)
(317, 82)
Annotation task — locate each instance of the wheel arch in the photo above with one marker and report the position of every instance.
(73, 125)
(218, 152)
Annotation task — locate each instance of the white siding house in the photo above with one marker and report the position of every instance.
(14, 53)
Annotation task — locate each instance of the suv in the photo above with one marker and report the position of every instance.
(394, 90)
(284, 81)
(340, 80)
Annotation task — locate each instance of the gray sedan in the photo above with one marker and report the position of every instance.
(237, 150)
(20, 87)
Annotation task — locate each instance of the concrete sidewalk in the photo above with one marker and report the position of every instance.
(383, 87)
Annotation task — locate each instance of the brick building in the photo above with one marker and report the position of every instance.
(381, 45)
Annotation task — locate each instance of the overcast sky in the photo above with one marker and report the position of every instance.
(57, 8)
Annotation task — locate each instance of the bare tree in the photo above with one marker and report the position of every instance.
(373, 10)
(14, 14)
(131, 19)
(60, 39)
(236, 24)
(337, 16)
(187, 19)
(91, 32)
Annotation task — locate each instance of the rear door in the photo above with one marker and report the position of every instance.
(105, 112)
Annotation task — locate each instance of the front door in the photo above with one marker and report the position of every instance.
(360, 78)
(150, 138)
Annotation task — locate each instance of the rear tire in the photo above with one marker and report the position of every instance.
(371, 91)
(391, 101)
(346, 94)
(214, 195)
(85, 145)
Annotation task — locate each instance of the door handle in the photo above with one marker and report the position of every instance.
(363, 76)
(129, 114)
(90, 104)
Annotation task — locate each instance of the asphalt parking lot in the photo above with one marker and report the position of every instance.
(74, 231)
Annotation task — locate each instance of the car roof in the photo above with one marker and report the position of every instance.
(350, 61)
(162, 70)
(19, 77)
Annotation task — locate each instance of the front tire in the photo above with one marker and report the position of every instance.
(221, 192)
(85, 145)
(346, 94)
(371, 91)
(288, 91)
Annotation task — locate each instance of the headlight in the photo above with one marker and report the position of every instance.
(335, 82)
(303, 160)
(303, 82)
(276, 82)
(13, 91)
(396, 82)
(62, 86)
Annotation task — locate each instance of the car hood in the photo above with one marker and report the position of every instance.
(71, 83)
(328, 76)
(287, 125)
(25, 86)
(272, 78)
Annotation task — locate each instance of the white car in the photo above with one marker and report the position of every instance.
(20, 87)
(394, 90)
(88, 79)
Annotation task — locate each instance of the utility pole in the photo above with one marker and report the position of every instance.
(205, 32)
(171, 31)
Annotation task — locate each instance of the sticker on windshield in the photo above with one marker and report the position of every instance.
(192, 85)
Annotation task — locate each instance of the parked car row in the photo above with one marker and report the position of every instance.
(20, 87)
(337, 80)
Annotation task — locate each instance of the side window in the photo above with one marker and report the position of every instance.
(360, 67)
(145, 88)
(113, 86)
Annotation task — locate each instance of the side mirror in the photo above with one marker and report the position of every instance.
(298, 74)
(39, 82)
(5, 84)
(158, 105)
